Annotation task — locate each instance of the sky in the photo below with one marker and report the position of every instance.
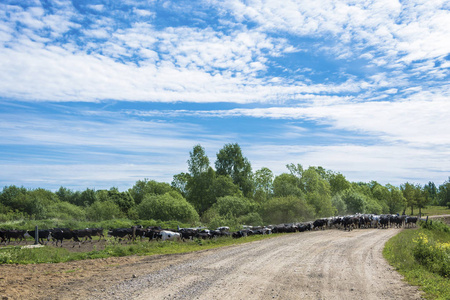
(101, 94)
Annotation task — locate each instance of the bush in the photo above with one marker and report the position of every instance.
(286, 209)
(235, 206)
(66, 211)
(253, 219)
(106, 210)
(170, 206)
(433, 255)
(435, 225)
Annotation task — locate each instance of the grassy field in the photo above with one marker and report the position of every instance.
(434, 211)
(422, 256)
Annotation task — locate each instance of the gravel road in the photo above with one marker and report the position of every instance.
(329, 264)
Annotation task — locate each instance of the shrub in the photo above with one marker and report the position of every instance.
(106, 210)
(235, 206)
(433, 255)
(66, 211)
(170, 206)
(286, 209)
(253, 219)
(435, 225)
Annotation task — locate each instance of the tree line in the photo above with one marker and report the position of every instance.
(229, 194)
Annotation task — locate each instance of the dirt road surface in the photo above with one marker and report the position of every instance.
(329, 264)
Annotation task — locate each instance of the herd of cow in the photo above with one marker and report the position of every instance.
(57, 235)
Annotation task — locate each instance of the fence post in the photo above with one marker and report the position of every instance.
(36, 235)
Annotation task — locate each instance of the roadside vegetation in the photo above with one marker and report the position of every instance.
(19, 255)
(422, 256)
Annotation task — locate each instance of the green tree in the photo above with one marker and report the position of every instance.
(373, 206)
(199, 194)
(146, 187)
(64, 194)
(180, 182)
(230, 161)
(87, 198)
(409, 192)
(432, 192)
(263, 184)
(10, 194)
(339, 204)
(198, 162)
(286, 185)
(444, 193)
(383, 196)
(223, 186)
(396, 201)
(318, 192)
(124, 200)
(422, 198)
(338, 183)
(199, 181)
(355, 201)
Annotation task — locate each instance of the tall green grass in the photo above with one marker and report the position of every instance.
(406, 252)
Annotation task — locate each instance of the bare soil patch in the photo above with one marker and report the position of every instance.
(329, 264)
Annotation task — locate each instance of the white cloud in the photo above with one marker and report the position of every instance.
(393, 164)
(396, 32)
(383, 80)
(98, 7)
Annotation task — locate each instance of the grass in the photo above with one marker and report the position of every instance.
(433, 211)
(16, 255)
(400, 253)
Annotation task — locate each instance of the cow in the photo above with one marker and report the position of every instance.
(43, 234)
(397, 221)
(60, 234)
(170, 235)
(2, 236)
(84, 234)
(350, 222)
(242, 233)
(187, 233)
(97, 232)
(120, 233)
(375, 221)
(304, 227)
(15, 234)
(384, 221)
(203, 235)
(411, 221)
(320, 223)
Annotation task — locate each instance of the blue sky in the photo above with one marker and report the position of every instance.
(101, 94)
